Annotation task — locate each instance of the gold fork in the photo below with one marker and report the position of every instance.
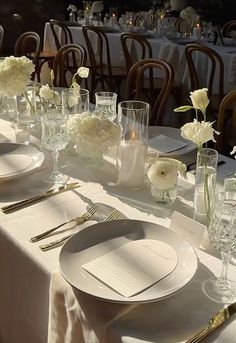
(76, 221)
(112, 216)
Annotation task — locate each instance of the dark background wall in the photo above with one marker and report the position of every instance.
(36, 12)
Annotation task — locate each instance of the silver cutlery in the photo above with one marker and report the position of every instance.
(112, 216)
(217, 320)
(18, 205)
(76, 221)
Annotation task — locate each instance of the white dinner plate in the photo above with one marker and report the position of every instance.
(174, 133)
(101, 238)
(18, 159)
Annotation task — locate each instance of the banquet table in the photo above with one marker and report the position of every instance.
(38, 305)
(172, 50)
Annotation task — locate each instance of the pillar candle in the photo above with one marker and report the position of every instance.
(132, 158)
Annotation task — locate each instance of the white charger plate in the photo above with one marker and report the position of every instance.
(172, 133)
(18, 159)
(101, 238)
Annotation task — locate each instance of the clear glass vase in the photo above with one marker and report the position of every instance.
(164, 196)
(205, 184)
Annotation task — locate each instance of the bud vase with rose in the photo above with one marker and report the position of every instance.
(200, 132)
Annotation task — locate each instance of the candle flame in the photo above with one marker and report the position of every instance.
(133, 136)
(198, 25)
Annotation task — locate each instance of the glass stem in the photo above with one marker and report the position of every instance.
(55, 155)
(222, 282)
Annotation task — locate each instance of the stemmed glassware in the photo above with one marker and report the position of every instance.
(222, 235)
(54, 138)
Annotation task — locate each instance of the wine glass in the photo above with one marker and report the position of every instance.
(54, 138)
(222, 235)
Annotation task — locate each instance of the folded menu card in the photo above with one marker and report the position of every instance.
(164, 144)
(13, 163)
(134, 266)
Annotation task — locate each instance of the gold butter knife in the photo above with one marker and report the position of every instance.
(18, 205)
(217, 320)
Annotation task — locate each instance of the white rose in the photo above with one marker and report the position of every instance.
(233, 151)
(83, 72)
(198, 132)
(200, 99)
(163, 174)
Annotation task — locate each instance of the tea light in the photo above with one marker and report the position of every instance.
(197, 31)
(132, 156)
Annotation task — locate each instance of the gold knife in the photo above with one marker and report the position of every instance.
(18, 205)
(217, 320)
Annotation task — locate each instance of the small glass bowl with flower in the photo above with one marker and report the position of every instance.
(163, 177)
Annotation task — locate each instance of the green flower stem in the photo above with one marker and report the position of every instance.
(32, 109)
(206, 193)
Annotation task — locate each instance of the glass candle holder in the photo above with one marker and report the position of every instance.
(133, 117)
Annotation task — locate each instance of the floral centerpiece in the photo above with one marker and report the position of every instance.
(200, 132)
(93, 135)
(190, 17)
(162, 175)
(15, 74)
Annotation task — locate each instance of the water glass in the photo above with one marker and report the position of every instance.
(73, 103)
(22, 132)
(106, 104)
(133, 117)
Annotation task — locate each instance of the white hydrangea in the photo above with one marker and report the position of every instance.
(15, 73)
(92, 134)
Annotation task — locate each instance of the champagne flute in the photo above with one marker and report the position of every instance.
(54, 138)
(222, 235)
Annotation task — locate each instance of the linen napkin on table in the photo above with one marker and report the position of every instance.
(78, 317)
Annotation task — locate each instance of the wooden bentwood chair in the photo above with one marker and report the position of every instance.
(67, 61)
(216, 62)
(226, 124)
(102, 71)
(139, 86)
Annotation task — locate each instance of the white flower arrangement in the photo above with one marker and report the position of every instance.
(47, 93)
(164, 171)
(82, 72)
(233, 151)
(198, 132)
(189, 14)
(15, 73)
(93, 135)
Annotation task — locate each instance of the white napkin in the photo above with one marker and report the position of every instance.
(164, 144)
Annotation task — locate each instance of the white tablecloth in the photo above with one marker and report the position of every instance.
(26, 271)
(171, 51)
